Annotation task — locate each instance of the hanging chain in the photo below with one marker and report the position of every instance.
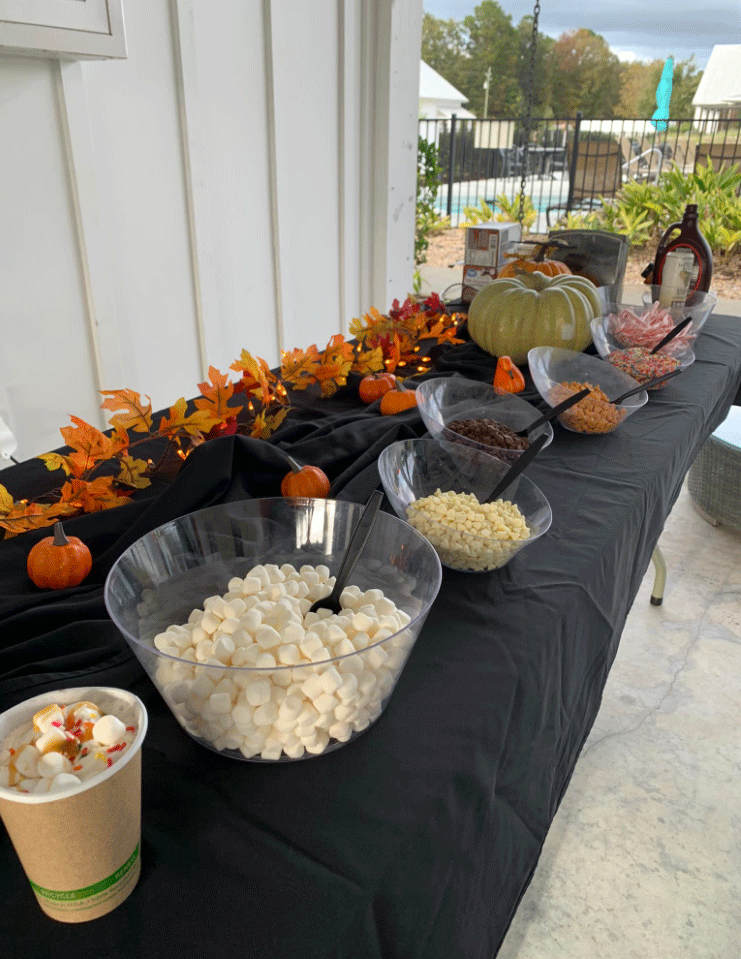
(529, 108)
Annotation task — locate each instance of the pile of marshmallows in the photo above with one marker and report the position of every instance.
(62, 747)
(295, 696)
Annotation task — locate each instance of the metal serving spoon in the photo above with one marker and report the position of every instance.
(554, 412)
(354, 548)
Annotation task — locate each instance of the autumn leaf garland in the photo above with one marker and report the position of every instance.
(382, 342)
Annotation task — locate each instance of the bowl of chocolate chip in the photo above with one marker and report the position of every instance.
(465, 411)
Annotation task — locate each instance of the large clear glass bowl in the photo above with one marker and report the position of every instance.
(550, 366)
(413, 469)
(168, 573)
(606, 344)
(445, 399)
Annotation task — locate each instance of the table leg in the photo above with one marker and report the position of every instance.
(657, 594)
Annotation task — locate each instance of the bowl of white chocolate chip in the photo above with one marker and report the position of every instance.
(216, 607)
(443, 489)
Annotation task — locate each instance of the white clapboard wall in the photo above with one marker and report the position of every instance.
(244, 179)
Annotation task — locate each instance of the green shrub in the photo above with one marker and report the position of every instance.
(428, 220)
(644, 210)
(504, 211)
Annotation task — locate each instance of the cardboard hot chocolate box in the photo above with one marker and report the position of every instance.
(486, 244)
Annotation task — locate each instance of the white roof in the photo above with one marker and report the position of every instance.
(434, 87)
(720, 83)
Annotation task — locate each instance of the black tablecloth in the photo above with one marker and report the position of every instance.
(419, 838)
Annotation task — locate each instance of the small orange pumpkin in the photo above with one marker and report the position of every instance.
(375, 386)
(549, 267)
(397, 400)
(59, 561)
(305, 481)
(524, 261)
(507, 378)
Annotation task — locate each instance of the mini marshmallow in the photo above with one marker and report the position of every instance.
(293, 634)
(325, 703)
(330, 680)
(258, 692)
(223, 649)
(274, 573)
(52, 739)
(51, 765)
(227, 628)
(311, 643)
(267, 637)
(215, 605)
(210, 622)
(344, 711)
(291, 707)
(220, 703)
(109, 731)
(321, 743)
(340, 731)
(63, 781)
(265, 715)
(349, 687)
(234, 608)
(376, 657)
(252, 584)
(265, 661)
(345, 647)
(289, 654)
(235, 584)
(26, 761)
(312, 687)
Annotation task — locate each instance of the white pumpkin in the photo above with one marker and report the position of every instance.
(510, 316)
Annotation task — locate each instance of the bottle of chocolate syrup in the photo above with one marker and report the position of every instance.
(685, 236)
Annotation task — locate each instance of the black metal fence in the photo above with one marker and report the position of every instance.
(569, 164)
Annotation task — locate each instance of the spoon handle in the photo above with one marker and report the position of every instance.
(357, 541)
(554, 411)
(521, 463)
(671, 334)
(647, 385)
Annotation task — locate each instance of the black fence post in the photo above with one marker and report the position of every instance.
(572, 167)
(451, 164)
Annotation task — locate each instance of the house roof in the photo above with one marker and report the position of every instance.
(720, 84)
(434, 87)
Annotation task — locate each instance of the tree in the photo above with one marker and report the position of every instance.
(443, 48)
(633, 80)
(586, 75)
(491, 41)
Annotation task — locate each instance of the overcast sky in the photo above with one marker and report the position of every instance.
(644, 29)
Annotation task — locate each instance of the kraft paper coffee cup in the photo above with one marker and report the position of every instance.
(80, 847)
